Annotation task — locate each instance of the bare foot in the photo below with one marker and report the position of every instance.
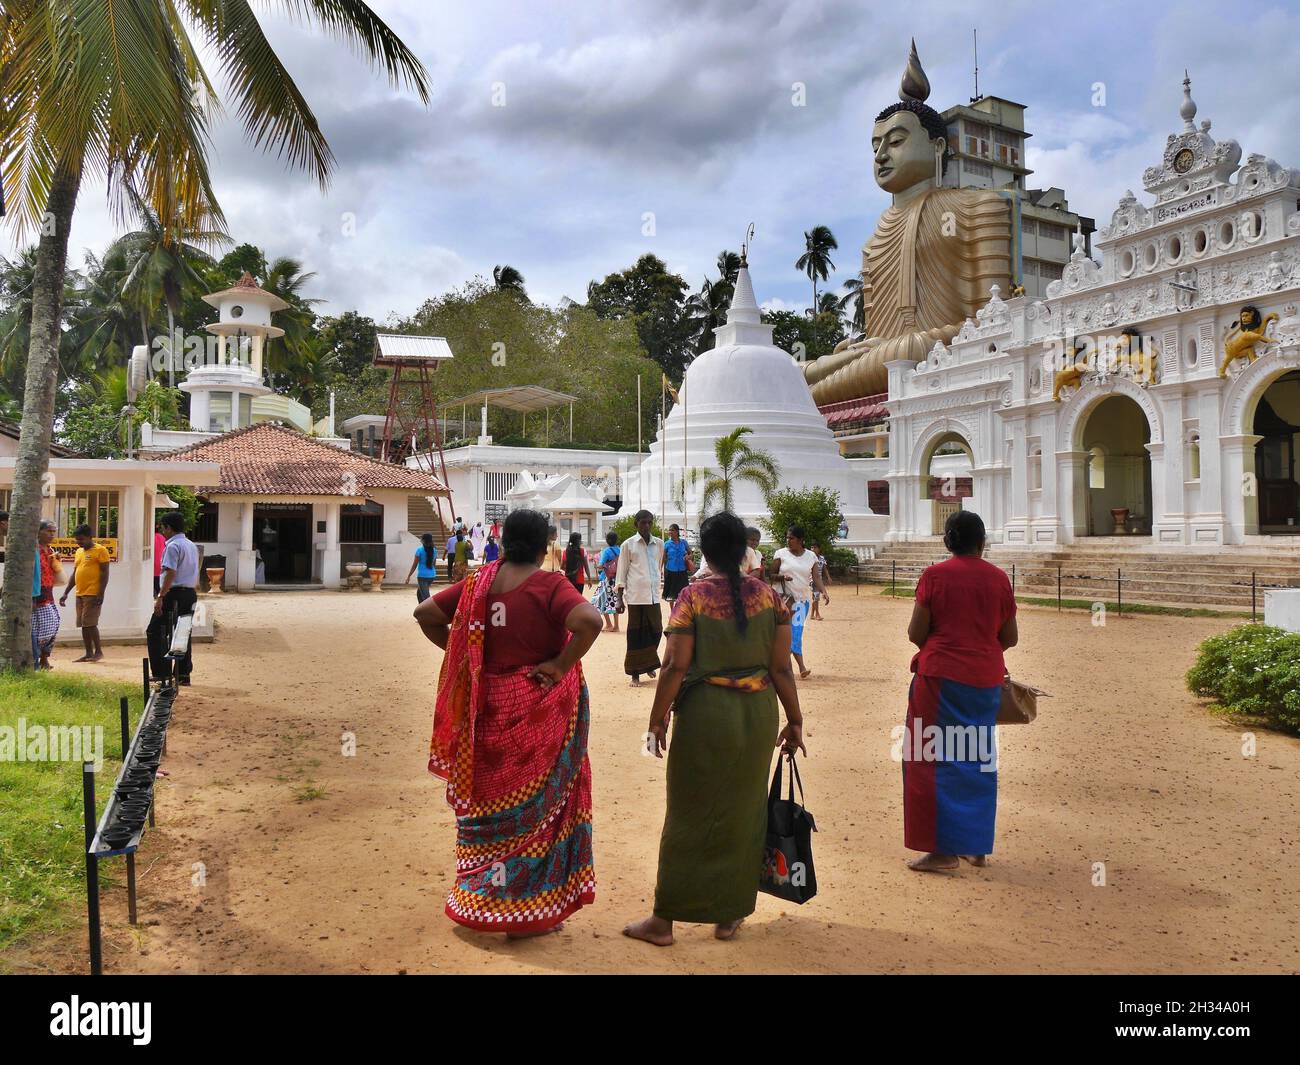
(934, 863)
(980, 861)
(726, 931)
(97, 658)
(635, 682)
(651, 930)
(536, 933)
(85, 658)
(804, 674)
(651, 674)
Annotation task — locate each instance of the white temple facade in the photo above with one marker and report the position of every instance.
(1184, 433)
(746, 380)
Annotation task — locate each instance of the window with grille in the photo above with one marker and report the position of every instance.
(362, 523)
(977, 169)
(496, 485)
(205, 529)
(84, 506)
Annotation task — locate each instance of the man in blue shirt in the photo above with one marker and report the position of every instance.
(176, 596)
(451, 549)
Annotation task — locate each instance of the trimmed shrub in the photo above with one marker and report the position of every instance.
(1254, 670)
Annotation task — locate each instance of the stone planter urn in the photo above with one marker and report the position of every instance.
(377, 579)
(356, 574)
(1120, 517)
(215, 577)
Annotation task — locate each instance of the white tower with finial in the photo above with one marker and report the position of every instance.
(747, 380)
(222, 390)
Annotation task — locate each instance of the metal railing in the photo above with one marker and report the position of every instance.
(1016, 572)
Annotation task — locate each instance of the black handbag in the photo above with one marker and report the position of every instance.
(788, 871)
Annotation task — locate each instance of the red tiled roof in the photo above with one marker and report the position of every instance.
(270, 459)
(58, 451)
(847, 412)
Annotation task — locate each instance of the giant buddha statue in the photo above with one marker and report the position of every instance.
(932, 259)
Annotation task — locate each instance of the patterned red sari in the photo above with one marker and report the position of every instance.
(515, 761)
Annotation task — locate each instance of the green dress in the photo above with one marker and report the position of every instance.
(724, 731)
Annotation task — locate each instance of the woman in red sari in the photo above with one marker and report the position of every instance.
(510, 736)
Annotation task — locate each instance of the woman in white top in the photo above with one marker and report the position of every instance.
(796, 576)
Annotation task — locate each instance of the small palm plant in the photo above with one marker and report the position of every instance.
(737, 461)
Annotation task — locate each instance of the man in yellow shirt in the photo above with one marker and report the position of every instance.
(90, 578)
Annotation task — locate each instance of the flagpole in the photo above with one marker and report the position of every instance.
(640, 490)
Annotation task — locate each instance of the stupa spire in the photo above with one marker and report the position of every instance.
(1188, 108)
(744, 307)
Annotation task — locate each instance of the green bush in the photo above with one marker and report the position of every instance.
(816, 509)
(1254, 670)
(840, 558)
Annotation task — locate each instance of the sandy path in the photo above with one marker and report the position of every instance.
(1122, 767)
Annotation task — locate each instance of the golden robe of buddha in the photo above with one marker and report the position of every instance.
(932, 259)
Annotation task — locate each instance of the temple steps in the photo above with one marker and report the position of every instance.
(1220, 580)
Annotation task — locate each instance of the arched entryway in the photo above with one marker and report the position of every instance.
(946, 477)
(1117, 471)
(1277, 455)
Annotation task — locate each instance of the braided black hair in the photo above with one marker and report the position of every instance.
(723, 541)
(963, 533)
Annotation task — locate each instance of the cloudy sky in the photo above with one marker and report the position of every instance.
(684, 111)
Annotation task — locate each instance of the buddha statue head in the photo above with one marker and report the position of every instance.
(910, 138)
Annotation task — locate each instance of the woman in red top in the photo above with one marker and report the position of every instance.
(964, 618)
(510, 736)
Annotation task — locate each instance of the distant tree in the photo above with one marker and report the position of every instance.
(729, 266)
(655, 300)
(246, 258)
(508, 279)
(852, 298)
(815, 261)
(805, 338)
(349, 340)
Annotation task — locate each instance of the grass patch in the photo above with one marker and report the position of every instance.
(309, 793)
(42, 838)
(908, 591)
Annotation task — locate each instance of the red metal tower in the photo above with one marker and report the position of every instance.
(411, 422)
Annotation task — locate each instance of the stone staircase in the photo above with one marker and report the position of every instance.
(422, 517)
(1089, 571)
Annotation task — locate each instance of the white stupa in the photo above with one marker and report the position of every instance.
(746, 380)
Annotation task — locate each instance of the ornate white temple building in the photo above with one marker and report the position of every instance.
(1154, 396)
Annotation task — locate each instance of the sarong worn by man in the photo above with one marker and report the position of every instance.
(514, 757)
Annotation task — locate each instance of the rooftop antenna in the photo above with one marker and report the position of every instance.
(975, 34)
(744, 245)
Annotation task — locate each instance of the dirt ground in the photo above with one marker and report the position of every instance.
(319, 863)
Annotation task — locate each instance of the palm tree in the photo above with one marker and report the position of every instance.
(297, 350)
(166, 263)
(116, 90)
(508, 279)
(737, 461)
(853, 298)
(729, 266)
(818, 242)
(706, 310)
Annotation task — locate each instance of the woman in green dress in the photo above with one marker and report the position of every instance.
(727, 663)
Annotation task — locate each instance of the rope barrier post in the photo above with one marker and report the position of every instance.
(893, 577)
(92, 868)
(1252, 595)
(1119, 590)
(1013, 580)
(1058, 587)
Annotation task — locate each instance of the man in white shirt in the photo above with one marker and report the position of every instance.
(176, 596)
(639, 582)
(750, 566)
